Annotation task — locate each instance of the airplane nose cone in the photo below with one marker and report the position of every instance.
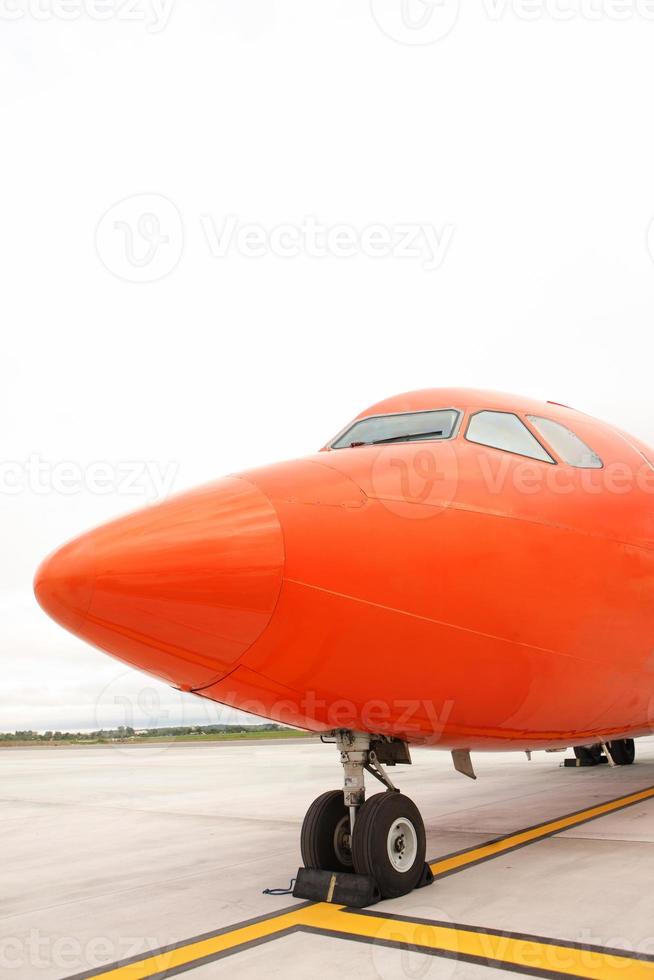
(180, 590)
(65, 582)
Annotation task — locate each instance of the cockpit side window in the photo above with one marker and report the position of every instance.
(566, 444)
(405, 427)
(503, 430)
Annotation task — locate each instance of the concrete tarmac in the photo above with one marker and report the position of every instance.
(110, 853)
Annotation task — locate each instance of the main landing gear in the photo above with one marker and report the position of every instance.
(622, 752)
(382, 837)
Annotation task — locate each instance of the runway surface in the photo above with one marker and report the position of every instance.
(126, 862)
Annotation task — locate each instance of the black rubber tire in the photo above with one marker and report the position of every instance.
(326, 818)
(369, 843)
(590, 754)
(623, 752)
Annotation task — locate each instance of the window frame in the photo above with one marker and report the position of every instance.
(559, 457)
(456, 428)
(552, 461)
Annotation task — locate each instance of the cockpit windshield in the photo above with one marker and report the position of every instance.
(407, 427)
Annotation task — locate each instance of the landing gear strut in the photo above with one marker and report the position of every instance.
(382, 837)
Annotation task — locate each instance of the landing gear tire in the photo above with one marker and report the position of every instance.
(623, 752)
(389, 843)
(590, 754)
(325, 837)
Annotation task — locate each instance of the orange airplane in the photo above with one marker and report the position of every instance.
(457, 568)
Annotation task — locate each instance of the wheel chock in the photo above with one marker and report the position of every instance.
(426, 878)
(581, 763)
(343, 888)
(337, 887)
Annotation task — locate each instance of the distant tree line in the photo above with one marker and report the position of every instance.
(125, 732)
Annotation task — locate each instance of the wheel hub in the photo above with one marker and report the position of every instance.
(402, 845)
(343, 841)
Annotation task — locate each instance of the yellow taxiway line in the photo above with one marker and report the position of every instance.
(514, 952)
(197, 951)
(509, 951)
(464, 859)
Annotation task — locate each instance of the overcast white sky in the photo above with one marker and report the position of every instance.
(517, 152)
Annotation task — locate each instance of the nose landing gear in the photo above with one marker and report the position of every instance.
(382, 837)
